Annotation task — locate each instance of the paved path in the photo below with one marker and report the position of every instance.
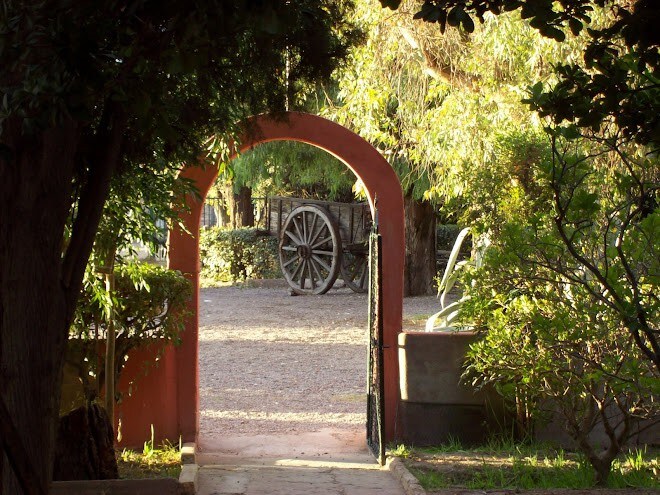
(359, 476)
(330, 461)
(279, 412)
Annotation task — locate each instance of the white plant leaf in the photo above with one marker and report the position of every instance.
(441, 315)
(453, 256)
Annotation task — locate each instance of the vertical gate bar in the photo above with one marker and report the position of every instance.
(375, 383)
(380, 374)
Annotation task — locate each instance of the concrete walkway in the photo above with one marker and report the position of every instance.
(260, 465)
(297, 477)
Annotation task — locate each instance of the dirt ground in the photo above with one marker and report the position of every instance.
(271, 363)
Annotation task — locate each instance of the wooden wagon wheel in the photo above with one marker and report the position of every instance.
(310, 250)
(355, 267)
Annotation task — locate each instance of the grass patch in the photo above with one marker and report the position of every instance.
(507, 465)
(161, 462)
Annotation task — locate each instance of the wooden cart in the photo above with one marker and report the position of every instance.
(320, 241)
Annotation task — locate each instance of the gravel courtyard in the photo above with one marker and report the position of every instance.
(273, 364)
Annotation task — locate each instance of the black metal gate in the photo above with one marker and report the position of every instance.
(375, 384)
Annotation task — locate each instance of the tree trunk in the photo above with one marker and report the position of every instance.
(85, 446)
(110, 345)
(221, 213)
(35, 185)
(239, 206)
(39, 286)
(243, 209)
(420, 269)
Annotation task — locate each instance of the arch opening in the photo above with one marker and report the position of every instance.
(181, 417)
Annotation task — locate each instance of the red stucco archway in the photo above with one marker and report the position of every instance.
(180, 392)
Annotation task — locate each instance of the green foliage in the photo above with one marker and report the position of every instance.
(147, 307)
(293, 169)
(174, 68)
(574, 251)
(399, 450)
(443, 320)
(436, 105)
(237, 255)
(152, 462)
(568, 293)
(149, 300)
(142, 204)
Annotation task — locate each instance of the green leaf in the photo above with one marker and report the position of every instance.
(585, 201)
(454, 16)
(391, 4)
(569, 132)
(575, 26)
(468, 24)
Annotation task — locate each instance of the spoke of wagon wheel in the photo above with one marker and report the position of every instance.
(320, 231)
(293, 237)
(296, 224)
(312, 228)
(304, 227)
(322, 263)
(295, 258)
(301, 281)
(289, 248)
(312, 282)
(297, 269)
(354, 271)
(363, 272)
(316, 269)
(322, 251)
(321, 242)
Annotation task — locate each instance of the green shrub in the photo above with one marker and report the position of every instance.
(148, 305)
(237, 255)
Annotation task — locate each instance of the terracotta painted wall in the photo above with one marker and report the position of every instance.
(153, 391)
(178, 401)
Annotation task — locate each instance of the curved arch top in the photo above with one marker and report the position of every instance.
(351, 149)
(384, 192)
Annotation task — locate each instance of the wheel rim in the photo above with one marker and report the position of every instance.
(310, 250)
(354, 271)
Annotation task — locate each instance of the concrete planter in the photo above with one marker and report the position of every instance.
(435, 406)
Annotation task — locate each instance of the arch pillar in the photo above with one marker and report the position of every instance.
(382, 186)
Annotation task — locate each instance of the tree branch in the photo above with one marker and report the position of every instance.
(90, 206)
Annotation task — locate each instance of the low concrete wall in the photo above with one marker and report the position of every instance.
(436, 406)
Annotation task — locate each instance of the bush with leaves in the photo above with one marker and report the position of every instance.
(147, 306)
(567, 293)
(236, 255)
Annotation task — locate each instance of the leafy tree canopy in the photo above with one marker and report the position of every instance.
(620, 78)
(433, 102)
(91, 91)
